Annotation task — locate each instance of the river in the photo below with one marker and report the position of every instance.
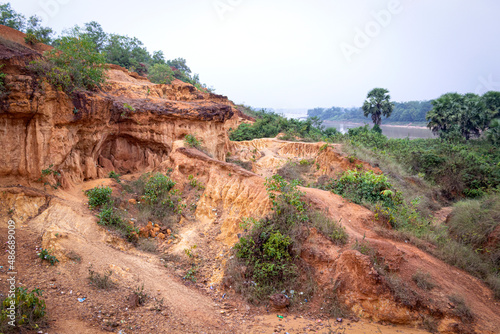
(391, 131)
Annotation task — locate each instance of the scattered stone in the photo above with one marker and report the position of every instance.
(133, 300)
(279, 301)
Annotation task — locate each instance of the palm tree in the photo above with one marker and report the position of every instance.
(378, 103)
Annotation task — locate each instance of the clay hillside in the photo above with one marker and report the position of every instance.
(144, 211)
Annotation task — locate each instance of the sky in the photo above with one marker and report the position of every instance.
(307, 53)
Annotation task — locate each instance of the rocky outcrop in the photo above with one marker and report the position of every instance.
(128, 126)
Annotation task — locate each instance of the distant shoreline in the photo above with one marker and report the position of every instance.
(408, 126)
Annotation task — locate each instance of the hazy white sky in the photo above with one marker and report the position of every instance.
(308, 53)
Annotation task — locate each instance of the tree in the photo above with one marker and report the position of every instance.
(161, 74)
(179, 64)
(378, 103)
(158, 57)
(492, 100)
(454, 115)
(10, 18)
(73, 64)
(35, 33)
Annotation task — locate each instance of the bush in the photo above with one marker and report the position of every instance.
(365, 186)
(101, 281)
(45, 255)
(473, 221)
(30, 310)
(160, 74)
(115, 176)
(111, 217)
(269, 255)
(293, 171)
(192, 141)
(461, 309)
(157, 187)
(270, 124)
(329, 228)
(423, 280)
(73, 64)
(2, 78)
(98, 196)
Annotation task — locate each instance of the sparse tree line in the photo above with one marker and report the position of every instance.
(90, 48)
(452, 116)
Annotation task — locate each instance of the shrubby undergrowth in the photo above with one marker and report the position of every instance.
(267, 259)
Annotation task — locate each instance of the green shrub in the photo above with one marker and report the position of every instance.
(270, 124)
(365, 186)
(98, 196)
(114, 175)
(2, 79)
(473, 221)
(193, 182)
(270, 252)
(108, 216)
(157, 187)
(45, 255)
(30, 310)
(160, 74)
(74, 64)
(192, 141)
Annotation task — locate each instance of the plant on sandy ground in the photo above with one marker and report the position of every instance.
(244, 164)
(423, 280)
(29, 310)
(329, 228)
(46, 173)
(365, 186)
(191, 274)
(192, 141)
(402, 291)
(98, 196)
(109, 216)
(114, 175)
(101, 281)
(142, 296)
(293, 171)
(270, 251)
(461, 309)
(193, 182)
(2, 80)
(44, 254)
(156, 187)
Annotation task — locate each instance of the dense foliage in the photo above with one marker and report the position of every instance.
(365, 186)
(270, 124)
(73, 64)
(29, 311)
(35, 33)
(128, 52)
(459, 168)
(412, 111)
(270, 251)
(454, 115)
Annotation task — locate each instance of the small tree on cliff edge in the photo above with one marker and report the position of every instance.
(378, 103)
(73, 65)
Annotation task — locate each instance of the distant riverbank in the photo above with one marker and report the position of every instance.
(389, 130)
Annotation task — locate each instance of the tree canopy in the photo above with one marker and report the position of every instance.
(378, 103)
(454, 115)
